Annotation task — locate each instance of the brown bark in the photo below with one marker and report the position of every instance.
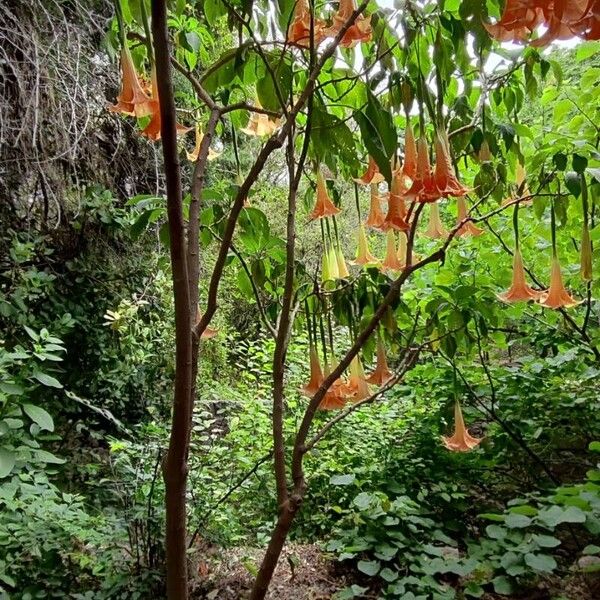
(175, 464)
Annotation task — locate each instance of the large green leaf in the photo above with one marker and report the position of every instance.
(40, 416)
(7, 461)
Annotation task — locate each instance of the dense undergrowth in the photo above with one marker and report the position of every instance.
(86, 370)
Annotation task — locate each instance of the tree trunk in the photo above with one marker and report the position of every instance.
(278, 537)
(175, 464)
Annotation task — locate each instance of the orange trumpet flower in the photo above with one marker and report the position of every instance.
(152, 129)
(357, 388)
(468, 228)
(391, 262)
(132, 99)
(316, 374)
(519, 19)
(299, 30)
(557, 296)
(444, 177)
(363, 255)
(435, 227)
(382, 374)
(396, 214)
(376, 216)
(359, 31)
(193, 155)
(410, 153)
(324, 207)
(519, 291)
(424, 188)
(261, 124)
(460, 441)
(335, 397)
(371, 175)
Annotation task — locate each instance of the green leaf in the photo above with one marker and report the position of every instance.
(48, 457)
(496, 532)
(573, 183)
(47, 380)
(369, 567)
(546, 541)
(502, 585)
(594, 446)
(591, 549)
(279, 78)
(586, 50)
(7, 461)
(540, 562)
(388, 575)
(363, 500)
(516, 521)
(342, 479)
(40, 416)
(378, 134)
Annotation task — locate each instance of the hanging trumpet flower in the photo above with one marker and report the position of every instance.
(409, 169)
(334, 397)
(468, 228)
(556, 296)
(403, 250)
(376, 217)
(324, 207)
(363, 255)
(209, 332)
(357, 388)
(152, 129)
(371, 175)
(519, 291)
(193, 155)
(382, 374)
(342, 268)
(298, 32)
(132, 99)
(396, 214)
(359, 31)
(461, 440)
(316, 373)
(261, 124)
(445, 181)
(391, 262)
(435, 228)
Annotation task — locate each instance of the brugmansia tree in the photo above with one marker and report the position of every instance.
(398, 107)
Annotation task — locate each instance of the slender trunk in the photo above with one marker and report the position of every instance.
(175, 464)
(278, 537)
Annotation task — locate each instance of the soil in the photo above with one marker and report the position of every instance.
(303, 573)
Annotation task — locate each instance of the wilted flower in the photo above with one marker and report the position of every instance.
(435, 227)
(359, 31)
(468, 228)
(193, 155)
(324, 207)
(363, 255)
(371, 175)
(557, 296)
(382, 374)
(519, 291)
(299, 30)
(376, 216)
(460, 441)
(132, 99)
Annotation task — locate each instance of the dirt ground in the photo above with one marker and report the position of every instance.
(303, 573)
